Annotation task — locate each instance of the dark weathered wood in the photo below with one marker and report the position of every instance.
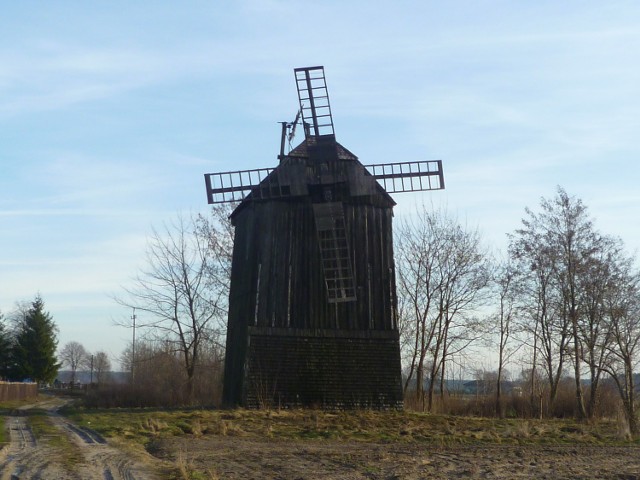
(280, 317)
(312, 306)
(324, 368)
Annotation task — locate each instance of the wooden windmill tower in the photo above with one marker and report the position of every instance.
(312, 305)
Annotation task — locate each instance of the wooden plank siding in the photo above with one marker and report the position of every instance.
(281, 280)
(279, 308)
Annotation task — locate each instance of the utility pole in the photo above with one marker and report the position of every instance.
(133, 345)
(91, 382)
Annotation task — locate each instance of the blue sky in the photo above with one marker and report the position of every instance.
(111, 112)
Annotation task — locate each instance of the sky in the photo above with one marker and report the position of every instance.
(111, 112)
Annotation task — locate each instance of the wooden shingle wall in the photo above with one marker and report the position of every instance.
(326, 369)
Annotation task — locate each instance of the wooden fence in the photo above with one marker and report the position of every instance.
(17, 391)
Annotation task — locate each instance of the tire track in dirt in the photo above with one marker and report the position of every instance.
(22, 441)
(85, 434)
(101, 460)
(93, 458)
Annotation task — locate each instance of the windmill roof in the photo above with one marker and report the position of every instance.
(302, 151)
(362, 181)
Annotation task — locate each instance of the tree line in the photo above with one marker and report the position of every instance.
(561, 302)
(76, 358)
(564, 300)
(180, 296)
(28, 348)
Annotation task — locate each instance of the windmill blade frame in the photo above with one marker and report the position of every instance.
(262, 183)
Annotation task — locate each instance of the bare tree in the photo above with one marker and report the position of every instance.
(602, 272)
(442, 271)
(101, 367)
(548, 333)
(533, 379)
(160, 375)
(485, 381)
(506, 284)
(417, 249)
(465, 269)
(73, 355)
(623, 309)
(217, 233)
(563, 234)
(176, 289)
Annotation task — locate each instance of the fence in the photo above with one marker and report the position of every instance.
(17, 391)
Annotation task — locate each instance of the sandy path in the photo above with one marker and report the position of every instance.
(94, 458)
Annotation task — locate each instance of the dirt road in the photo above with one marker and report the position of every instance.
(72, 452)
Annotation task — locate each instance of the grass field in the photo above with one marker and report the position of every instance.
(142, 426)
(211, 444)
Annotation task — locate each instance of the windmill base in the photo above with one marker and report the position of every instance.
(322, 368)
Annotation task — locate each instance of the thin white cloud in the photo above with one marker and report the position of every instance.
(68, 212)
(68, 75)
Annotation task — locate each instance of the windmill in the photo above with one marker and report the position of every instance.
(312, 303)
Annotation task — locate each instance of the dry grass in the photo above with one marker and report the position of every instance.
(367, 426)
(183, 466)
(186, 469)
(622, 424)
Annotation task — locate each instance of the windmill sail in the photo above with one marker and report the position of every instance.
(314, 100)
(392, 177)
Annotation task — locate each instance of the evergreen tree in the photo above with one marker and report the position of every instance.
(5, 350)
(35, 346)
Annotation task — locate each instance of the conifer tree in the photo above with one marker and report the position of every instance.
(5, 350)
(36, 343)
